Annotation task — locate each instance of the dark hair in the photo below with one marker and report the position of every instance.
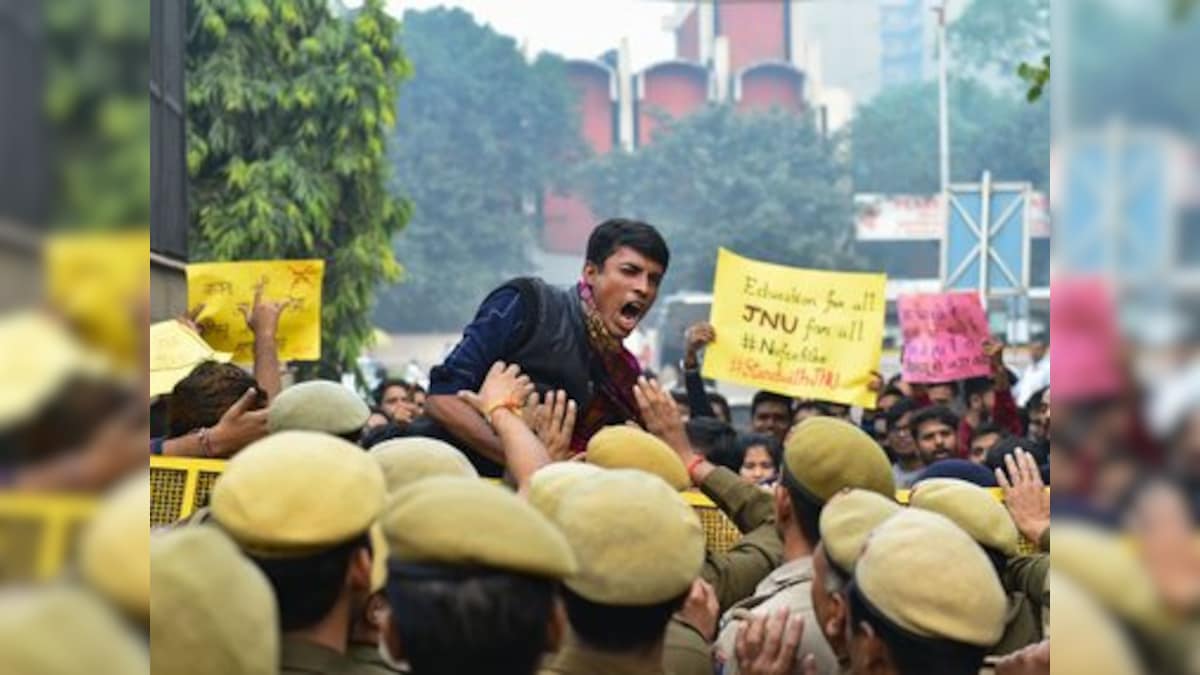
(891, 391)
(1038, 399)
(201, 398)
(619, 628)
(493, 622)
(899, 409)
(679, 396)
(805, 507)
(772, 444)
(721, 402)
(989, 428)
(306, 588)
(953, 384)
(977, 386)
(714, 439)
(914, 654)
(379, 434)
(770, 397)
(382, 387)
(937, 413)
(1010, 444)
(808, 404)
(614, 233)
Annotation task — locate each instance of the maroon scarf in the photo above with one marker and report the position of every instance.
(614, 393)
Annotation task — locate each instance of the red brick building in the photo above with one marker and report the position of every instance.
(740, 52)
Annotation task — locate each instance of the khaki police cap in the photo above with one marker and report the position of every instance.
(625, 447)
(1109, 570)
(1087, 640)
(551, 483)
(406, 460)
(637, 541)
(928, 577)
(296, 493)
(972, 508)
(847, 520)
(213, 611)
(465, 522)
(319, 405)
(65, 631)
(823, 455)
(114, 551)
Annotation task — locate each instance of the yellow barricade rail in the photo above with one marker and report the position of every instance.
(179, 486)
(38, 533)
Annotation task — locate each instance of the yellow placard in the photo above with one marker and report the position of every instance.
(97, 281)
(227, 289)
(803, 333)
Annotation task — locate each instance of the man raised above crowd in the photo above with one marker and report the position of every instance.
(563, 338)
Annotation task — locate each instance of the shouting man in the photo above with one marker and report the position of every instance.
(566, 339)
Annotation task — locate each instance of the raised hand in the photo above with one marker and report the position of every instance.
(697, 337)
(263, 316)
(661, 415)
(1025, 494)
(766, 645)
(701, 609)
(554, 422)
(504, 387)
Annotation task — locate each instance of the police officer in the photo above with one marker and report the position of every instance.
(924, 599)
(212, 609)
(403, 461)
(300, 505)
(845, 523)
(823, 456)
(978, 513)
(319, 405)
(640, 546)
(472, 574)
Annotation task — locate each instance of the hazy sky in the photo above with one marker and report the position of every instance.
(573, 28)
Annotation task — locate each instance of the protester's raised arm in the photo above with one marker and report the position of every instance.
(464, 423)
(263, 319)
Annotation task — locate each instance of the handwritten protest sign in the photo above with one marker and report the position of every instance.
(96, 281)
(943, 336)
(226, 289)
(1085, 341)
(803, 333)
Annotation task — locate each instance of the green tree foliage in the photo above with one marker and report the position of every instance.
(484, 132)
(288, 112)
(96, 74)
(766, 185)
(993, 37)
(894, 138)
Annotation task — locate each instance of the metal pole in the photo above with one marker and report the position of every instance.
(985, 235)
(943, 103)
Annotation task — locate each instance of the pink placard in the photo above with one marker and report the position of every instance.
(1085, 341)
(943, 337)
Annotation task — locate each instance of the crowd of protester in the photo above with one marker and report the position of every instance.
(344, 537)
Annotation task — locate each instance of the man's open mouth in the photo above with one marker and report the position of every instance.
(633, 310)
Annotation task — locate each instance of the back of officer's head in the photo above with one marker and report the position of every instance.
(640, 547)
(300, 504)
(472, 575)
(822, 457)
(925, 599)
